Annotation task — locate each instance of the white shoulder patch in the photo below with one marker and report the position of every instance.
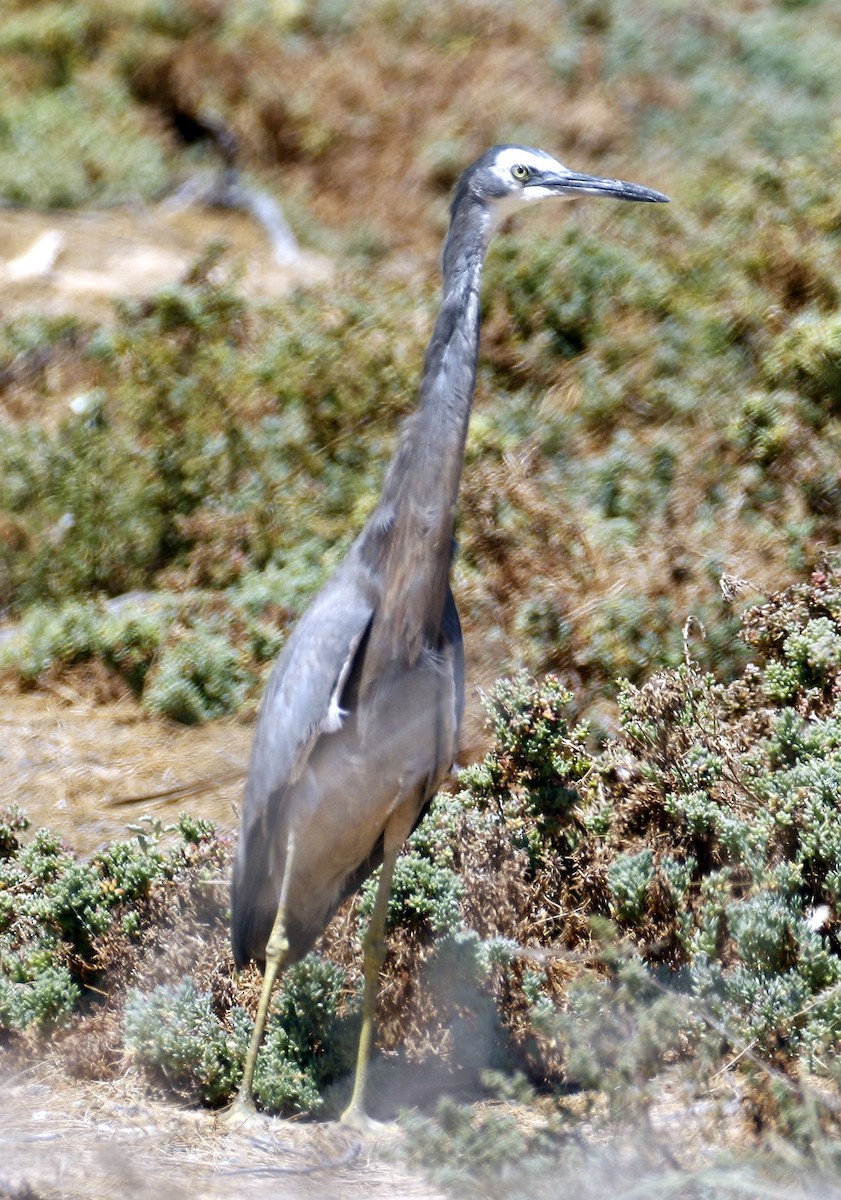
(335, 715)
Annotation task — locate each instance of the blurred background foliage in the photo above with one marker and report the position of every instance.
(651, 494)
(658, 402)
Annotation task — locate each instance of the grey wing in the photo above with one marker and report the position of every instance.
(302, 697)
(302, 701)
(453, 641)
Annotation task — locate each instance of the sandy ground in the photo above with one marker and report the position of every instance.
(79, 262)
(87, 770)
(61, 1138)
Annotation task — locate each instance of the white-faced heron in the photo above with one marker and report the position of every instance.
(360, 721)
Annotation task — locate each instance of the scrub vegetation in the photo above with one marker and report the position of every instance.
(578, 932)
(628, 899)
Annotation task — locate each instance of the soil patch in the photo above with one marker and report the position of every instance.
(87, 770)
(64, 1138)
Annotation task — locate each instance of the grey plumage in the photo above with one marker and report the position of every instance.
(361, 717)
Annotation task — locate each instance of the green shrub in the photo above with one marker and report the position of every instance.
(536, 761)
(425, 896)
(199, 677)
(618, 1035)
(50, 636)
(78, 142)
(310, 1041)
(559, 310)
(130, 641)
(807, 358)
(176, 1034)
(629, 877)
(182, 658)
(35, 993)
(57, 911)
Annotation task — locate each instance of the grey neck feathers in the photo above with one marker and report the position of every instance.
(410, 534)
(426, 469)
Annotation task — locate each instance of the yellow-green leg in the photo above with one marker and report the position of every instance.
(277, 949)
(374, 953)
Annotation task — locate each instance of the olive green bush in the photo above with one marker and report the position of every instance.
(62, 919)
(701, 851)
(693, 862)
(175, 1034)
(202, 420)
(182, 657)
(596, 923)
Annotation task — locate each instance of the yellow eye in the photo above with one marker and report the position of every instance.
(520, 171)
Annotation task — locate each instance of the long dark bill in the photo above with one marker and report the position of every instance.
(593, 185)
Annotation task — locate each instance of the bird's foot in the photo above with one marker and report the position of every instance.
(354, 1117)
(241, 1113)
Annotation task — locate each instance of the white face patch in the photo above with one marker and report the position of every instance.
(536, 160)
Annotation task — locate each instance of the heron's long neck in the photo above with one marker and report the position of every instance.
(424, 474)
(416, 513)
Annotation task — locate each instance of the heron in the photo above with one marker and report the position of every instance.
(360, 720)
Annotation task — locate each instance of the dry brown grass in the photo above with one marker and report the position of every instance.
(62, 1137)
(366, 113)
(69, 761)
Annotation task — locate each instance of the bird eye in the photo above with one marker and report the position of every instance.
(520, 171)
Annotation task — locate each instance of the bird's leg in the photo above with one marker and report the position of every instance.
(277, 949)
(374, 953)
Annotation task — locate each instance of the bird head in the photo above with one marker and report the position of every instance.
(507, 177)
